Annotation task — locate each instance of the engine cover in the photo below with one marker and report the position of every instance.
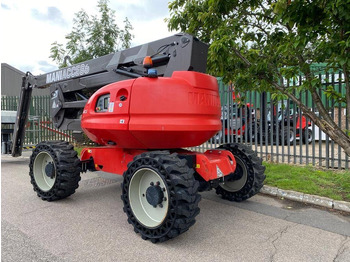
(154, 113)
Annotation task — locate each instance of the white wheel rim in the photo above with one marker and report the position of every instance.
(236, 185)
(291, 136)
(309, 139)
(44, 182)
(144, 212)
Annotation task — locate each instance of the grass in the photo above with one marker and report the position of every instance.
(311, 180)
(306, 179)
(78, 149)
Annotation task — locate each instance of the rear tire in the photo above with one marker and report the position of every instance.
(288, 137)
(263, 138)
(54, 170)
(160, 195)
(249, 169)
(307, 138)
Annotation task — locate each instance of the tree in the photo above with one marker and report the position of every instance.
(258, 43)
(92, 37)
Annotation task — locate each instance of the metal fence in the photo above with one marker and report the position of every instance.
(277, 130)
(39, 126)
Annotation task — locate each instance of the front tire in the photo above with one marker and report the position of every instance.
(54, 170)
(248, 178)
(160, 195)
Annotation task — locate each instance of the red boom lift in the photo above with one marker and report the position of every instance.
(144, 106)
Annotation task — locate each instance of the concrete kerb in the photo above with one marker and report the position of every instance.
(306, 198)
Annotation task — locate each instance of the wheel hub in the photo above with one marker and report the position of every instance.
(50, 170)
(238, 179)
(237, 175)
(154, 195)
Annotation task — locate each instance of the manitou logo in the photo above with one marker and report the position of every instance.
(195, 98)
(67, 73)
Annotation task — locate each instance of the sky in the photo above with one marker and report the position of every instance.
(29, 27)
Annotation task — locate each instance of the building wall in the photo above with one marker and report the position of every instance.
(11, 81)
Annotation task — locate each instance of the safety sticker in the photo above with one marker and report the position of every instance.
(111, 107)
(28, 147)
(219, 172)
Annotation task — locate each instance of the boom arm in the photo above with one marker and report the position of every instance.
(22, 114)
(71, 87)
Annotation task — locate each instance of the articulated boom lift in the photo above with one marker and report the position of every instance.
(143, 106)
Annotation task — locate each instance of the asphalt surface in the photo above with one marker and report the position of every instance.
(91, 226)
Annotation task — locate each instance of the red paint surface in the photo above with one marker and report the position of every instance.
(158, 113)
(115, 160)
(208, 163)
(109, 159)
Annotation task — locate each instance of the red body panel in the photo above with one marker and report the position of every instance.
(233, 131)
(303, 123)
(158, 113)
(109, 159)
(115, 160)
(212, 160)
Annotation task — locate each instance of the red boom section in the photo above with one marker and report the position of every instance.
(155, 113)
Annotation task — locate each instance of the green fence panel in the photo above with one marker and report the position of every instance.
(39, 126)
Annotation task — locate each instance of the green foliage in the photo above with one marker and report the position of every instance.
(92, 36)
(256, 44)
(278, 38)
(332, 93)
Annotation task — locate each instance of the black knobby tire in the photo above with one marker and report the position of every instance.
(264, 138)
(307, 136)
(60, 177)
(249, 165)
(288, 137)
(179, 186)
